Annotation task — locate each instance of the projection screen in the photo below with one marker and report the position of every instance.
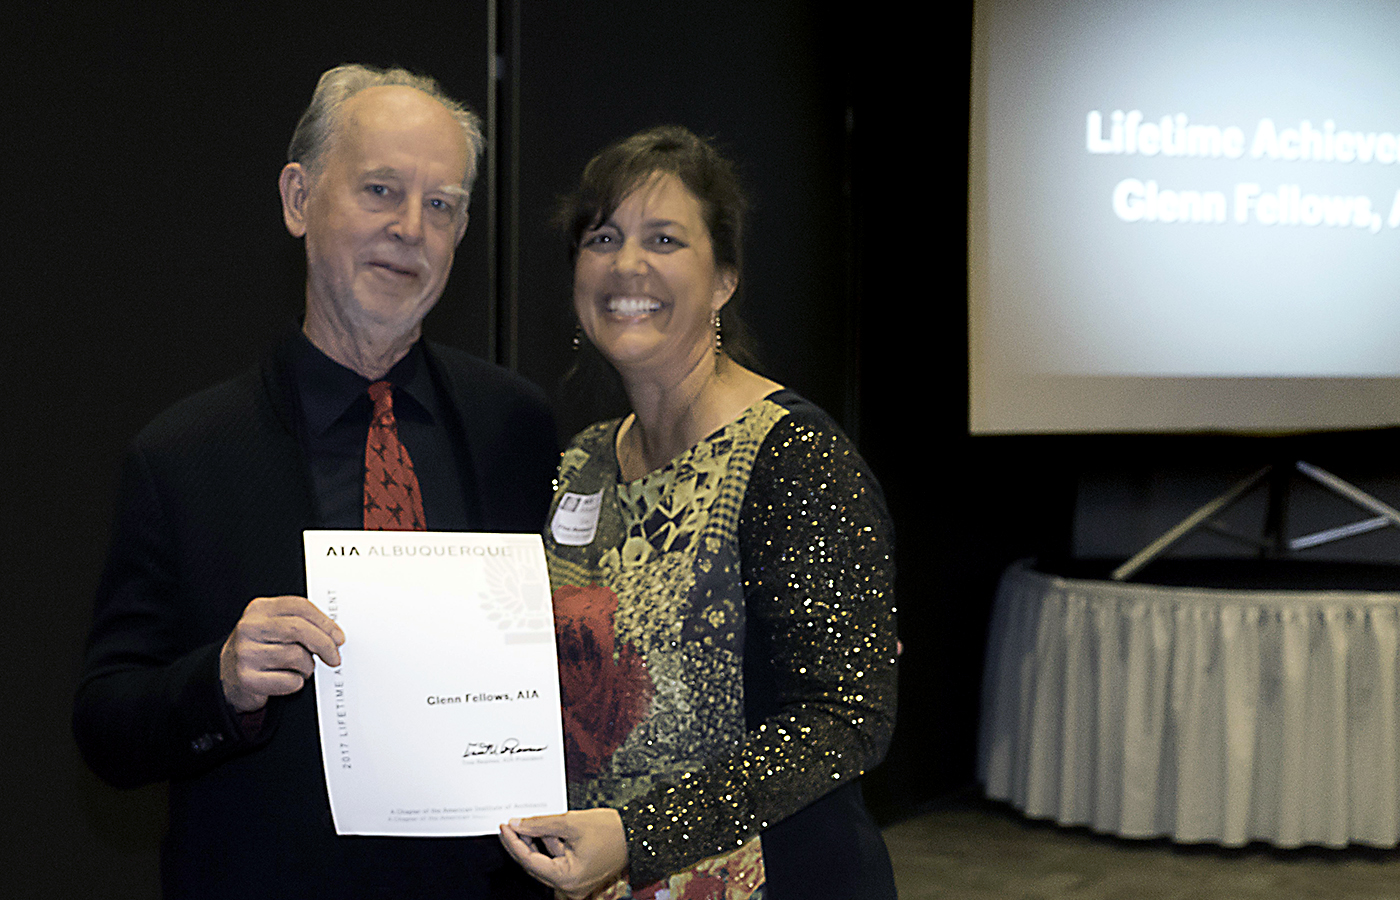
(1184, 216)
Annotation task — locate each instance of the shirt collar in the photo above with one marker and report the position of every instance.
(329, 390)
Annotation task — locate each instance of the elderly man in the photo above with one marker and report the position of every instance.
(203, 641)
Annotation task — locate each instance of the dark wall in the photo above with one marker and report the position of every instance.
(145, 258)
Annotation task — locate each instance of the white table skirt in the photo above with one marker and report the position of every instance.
(1202, 715)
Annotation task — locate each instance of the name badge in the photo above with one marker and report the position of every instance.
(576, 519)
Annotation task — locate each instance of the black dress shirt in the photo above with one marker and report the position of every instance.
(335, 418)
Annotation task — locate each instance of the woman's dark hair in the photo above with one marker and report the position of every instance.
(625, 165)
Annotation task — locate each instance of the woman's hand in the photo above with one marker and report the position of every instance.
(585, 849)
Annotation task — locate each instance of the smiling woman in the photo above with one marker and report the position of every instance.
(655, 231)
(646, 285)
(722, 575)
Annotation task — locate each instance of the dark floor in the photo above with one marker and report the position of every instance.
(970, 849)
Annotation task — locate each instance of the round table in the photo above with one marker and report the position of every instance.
(1202, 715)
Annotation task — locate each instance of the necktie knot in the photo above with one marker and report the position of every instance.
(382, 393)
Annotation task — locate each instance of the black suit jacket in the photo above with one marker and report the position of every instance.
(215, 494)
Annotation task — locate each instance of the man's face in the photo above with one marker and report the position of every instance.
(382, 217)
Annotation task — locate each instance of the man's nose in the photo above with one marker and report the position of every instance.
(408, 224)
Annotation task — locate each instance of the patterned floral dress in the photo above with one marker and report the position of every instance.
(726, 640)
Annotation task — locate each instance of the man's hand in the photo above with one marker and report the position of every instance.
(269, 653)
(587, 848)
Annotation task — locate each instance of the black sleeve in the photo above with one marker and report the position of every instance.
(820, 666)
(150, 708)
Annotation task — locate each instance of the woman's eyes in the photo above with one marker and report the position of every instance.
(659, 242)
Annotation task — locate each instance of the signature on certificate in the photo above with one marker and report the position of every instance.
(507, 747)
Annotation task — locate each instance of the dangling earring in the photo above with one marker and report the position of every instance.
(578, 336)
(719, 339)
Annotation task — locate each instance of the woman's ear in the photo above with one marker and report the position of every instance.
(726, 283)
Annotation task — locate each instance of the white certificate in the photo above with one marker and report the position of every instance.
(443, 717)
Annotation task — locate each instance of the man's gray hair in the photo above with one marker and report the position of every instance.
(318, 125)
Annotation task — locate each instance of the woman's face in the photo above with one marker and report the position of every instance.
(646, 286)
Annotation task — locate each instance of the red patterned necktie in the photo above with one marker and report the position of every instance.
(392, 502)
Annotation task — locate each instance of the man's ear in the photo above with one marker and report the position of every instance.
(295, 187)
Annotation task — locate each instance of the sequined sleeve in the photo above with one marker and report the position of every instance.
(818, 572)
